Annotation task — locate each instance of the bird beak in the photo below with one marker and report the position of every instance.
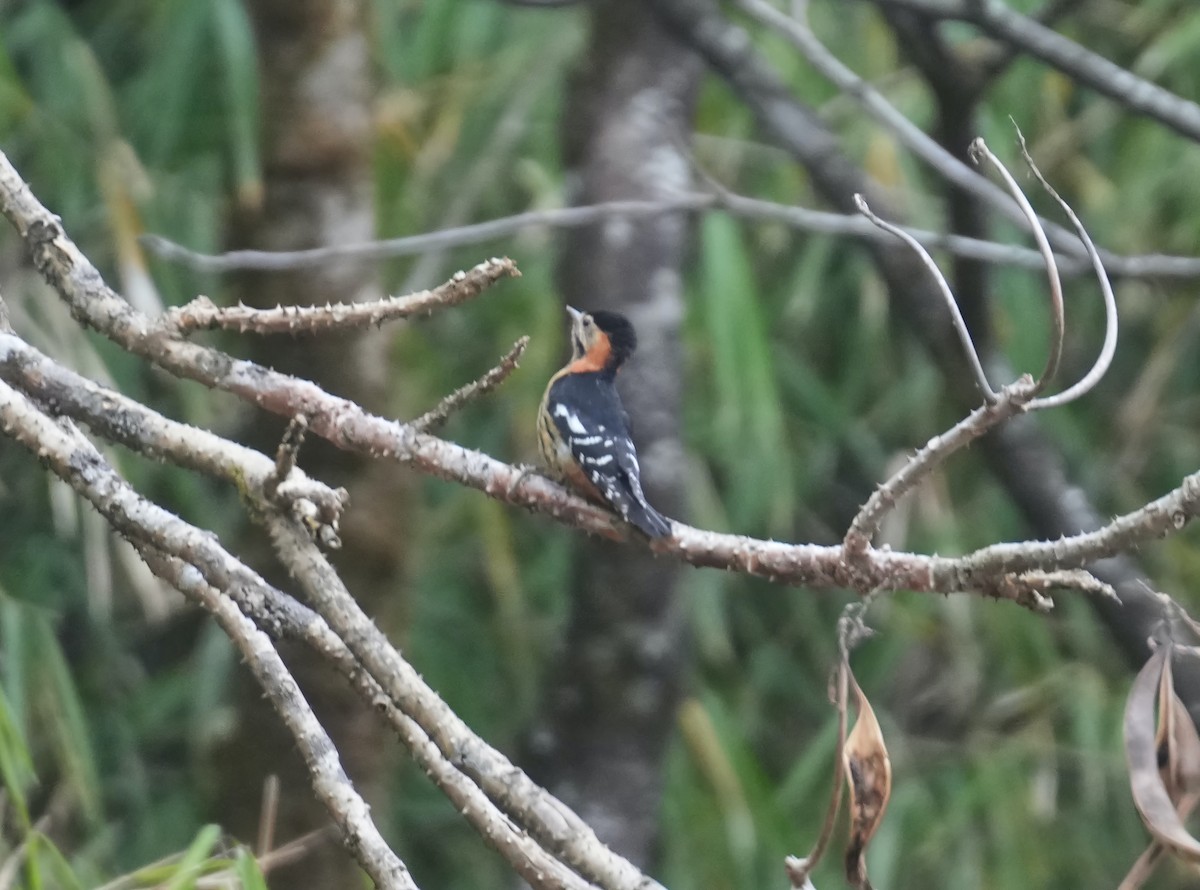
(574, 313)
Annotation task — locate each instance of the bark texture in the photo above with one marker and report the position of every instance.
(612, 706)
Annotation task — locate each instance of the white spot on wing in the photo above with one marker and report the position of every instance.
(573, 422)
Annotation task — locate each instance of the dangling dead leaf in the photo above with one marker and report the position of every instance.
(1185, 754)
(1177, 743)
(869, 777)
(1164, 751)
(798, 870)
(1150, 794)
(1177, 762)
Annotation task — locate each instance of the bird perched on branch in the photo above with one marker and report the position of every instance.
(583, 430)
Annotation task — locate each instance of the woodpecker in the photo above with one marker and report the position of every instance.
(583, 430)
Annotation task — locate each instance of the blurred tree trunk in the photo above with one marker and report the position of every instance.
(612, 706)
(317, 142)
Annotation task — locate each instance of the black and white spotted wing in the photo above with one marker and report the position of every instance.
(593, 425)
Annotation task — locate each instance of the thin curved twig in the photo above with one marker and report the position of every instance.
(979, 149)
(1111, 323)
(960, 326)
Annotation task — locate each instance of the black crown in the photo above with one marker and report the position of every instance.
(620, 332)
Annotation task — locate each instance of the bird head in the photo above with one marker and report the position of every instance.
(600, 340)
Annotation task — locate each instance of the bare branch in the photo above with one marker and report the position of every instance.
(1109, 347)
(59, 445)
(1016, 398)
(288, 619)
(476, 233)
(753, 209)
(438, 415)
(960, 326)
(554, 825)
(127, 422)
(1166, 515)
(1011, 400)
(995, 63)
(918, 142)
(202, 314)
(978, 150)
(348, 426)
(1089, 68)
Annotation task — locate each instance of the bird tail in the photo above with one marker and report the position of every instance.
(649, 521)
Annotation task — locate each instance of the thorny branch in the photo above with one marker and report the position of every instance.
(201, 314)
(440, 413)
(348, 426)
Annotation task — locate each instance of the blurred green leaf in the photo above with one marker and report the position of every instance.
(234, 42)
(248, 872)
(747, 425)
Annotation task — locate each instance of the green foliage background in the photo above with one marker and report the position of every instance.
(802, 387)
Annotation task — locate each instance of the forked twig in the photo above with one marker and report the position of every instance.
(1012, 399)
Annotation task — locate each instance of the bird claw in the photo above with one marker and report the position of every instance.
(523, 470)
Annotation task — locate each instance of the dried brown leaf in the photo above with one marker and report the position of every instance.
(1164, 751)
(1177, 750)
(798, 870)
(869, 777)
(1150, 794)
(1183, 755)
